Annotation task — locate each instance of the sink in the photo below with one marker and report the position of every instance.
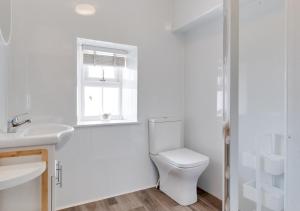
(37, 135)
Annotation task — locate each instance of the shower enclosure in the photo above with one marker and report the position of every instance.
(262, 61)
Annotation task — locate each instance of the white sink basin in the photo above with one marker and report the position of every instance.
(37, 135)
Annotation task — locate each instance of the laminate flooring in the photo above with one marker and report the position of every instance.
(150, 200)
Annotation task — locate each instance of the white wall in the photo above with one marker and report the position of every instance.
(4, 68)
(203, 129)
(98, 161)
(186, 12)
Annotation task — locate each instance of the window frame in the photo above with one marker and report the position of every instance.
(128, 86)
(86, 81)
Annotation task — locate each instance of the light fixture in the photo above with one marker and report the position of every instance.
(85, 9)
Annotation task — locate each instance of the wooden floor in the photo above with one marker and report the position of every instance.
(150, 200)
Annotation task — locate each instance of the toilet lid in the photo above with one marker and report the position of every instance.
(184, 158)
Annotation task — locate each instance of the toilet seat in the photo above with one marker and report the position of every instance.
(184, 158)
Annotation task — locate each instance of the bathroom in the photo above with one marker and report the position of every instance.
(196, 67)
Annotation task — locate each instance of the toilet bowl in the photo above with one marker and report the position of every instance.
(179, 168)
(178, 177)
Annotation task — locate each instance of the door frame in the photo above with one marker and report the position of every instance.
(231, 68)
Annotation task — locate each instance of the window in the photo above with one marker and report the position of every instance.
(107, 82)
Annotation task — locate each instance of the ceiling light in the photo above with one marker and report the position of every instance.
(85, 9)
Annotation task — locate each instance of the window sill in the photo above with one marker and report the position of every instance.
(105, 123)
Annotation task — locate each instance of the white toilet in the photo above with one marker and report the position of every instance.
(179, 168)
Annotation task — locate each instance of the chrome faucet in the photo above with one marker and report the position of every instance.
(15, 122)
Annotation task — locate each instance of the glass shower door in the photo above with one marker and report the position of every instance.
(262, 105)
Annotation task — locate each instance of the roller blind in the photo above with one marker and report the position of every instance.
(93, 55)
(103, 60)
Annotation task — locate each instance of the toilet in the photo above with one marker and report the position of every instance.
(179, 168)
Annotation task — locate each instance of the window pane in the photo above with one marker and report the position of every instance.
(111, 101)
(92, 101)
(110, 72)
(94, 71)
